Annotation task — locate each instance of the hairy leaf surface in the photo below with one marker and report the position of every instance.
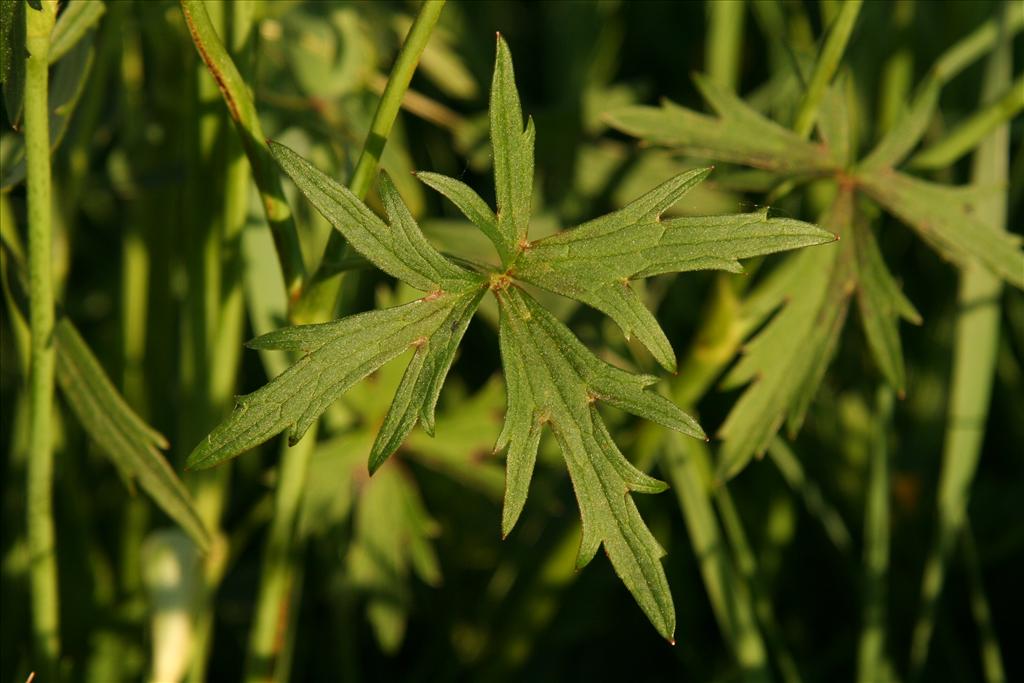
(595, 262)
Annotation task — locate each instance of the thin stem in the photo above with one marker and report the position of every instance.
(39, 494)
(724, 42)
(276, 596)
(321, 294)
(826, 66)
(243, 113)
(876, 549)
(974, 358)
(972, 131)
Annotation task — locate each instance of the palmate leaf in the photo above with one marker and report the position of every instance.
(338, 354)
(551, 377)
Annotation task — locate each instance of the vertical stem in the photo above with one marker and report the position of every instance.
(276, 597)
(724, 46)
(42, 557)
(974, 357)
(876, 549)
(320, 296)
(243, 112)
(826, 66)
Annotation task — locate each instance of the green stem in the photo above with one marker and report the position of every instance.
(243, 112)
(974, 358)
(276, 596)
(972, 131)
(724, 45)
(320, 296)
(991, 653)
(826, 66)
(898, 72)
(687, 465)
(876, 549)
(39, 493)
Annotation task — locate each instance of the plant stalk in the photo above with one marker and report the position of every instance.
(826, 66)
(39, 494)
(320, 295)
(243, 112)
(975, 347)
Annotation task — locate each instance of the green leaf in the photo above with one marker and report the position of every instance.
(336, 355)
(12, 56)
(739, 134)
(77, 18)
(595, 262)
(788, 358)
(513, 155)
(468, 202)
(128, 441)
(400, 249)
(554, 380)
(417, 395)
(946, 217)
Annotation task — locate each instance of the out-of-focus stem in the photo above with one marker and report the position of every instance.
(277, 595)
(243, 112)
(974, 355)
(39, 494)
(724, 46)
(826, 66)
(871, 655)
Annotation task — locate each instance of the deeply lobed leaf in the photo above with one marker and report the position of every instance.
(787, 359)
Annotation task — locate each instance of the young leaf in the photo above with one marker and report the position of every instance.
(554, 380)
(595, 262)
(739, 134)
(336, 355)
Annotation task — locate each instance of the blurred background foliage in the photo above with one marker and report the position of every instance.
(404, 576)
